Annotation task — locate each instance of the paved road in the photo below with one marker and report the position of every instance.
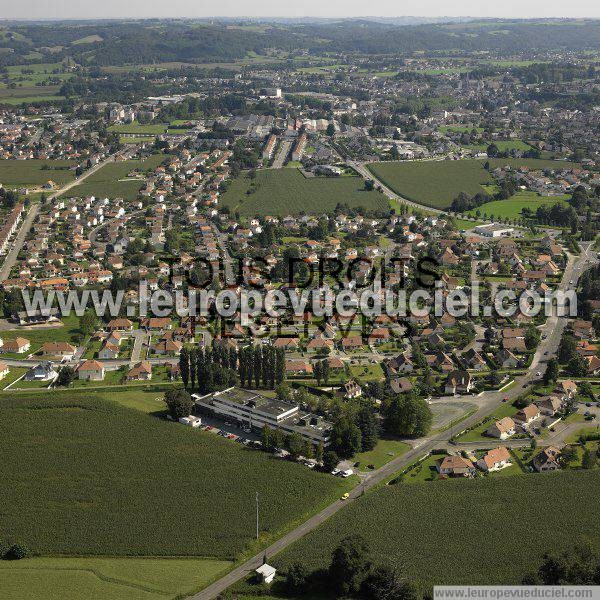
(284, 150)
(13, 253)
(487, 403)
(139, 339)
(362, 170)
(11, 257)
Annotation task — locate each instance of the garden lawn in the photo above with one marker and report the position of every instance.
(44, 578)
(84, 476)
(478, 432)
(437, 533)
(111, 180)
(432, 183)
(30, 173)
(384, 451)
(287, 192)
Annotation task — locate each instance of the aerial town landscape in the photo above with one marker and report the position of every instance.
(256, 279)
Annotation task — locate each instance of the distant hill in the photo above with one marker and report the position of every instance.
(153, 41)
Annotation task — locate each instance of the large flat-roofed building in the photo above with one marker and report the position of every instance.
(257, 411)
(494, 230)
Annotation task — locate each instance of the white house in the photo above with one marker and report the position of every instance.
(90, 370)
(191, 421)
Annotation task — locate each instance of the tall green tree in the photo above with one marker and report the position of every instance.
(367, 423)
(551, 373)
(407, 416)
(179, 403)
(350, 562)
(346, 438)
(184, 365)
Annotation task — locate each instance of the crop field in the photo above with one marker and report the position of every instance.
(106, 578)
(84, 476)
(439, 532)
(511, 207)
(288, 192)
(432, 183)
(30, 173)
(111, 180)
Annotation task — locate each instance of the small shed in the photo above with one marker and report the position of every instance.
(266, 573)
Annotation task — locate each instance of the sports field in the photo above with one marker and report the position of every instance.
(439, 532)
(32, 173)
(43, 578)
(112, 181)
(511, 207)
(432, 183)
(84, 476)
(288, 192)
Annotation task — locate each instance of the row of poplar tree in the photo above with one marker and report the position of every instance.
(216, 368)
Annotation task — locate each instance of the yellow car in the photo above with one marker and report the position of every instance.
(345, 496)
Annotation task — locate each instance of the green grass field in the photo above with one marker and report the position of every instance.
(30, 173)
(437, 183)
(44, 578)
(287, 191)
(135, 127)
(384, 451)
(37, 337)
(111, 180)
(502, 145)
(485, 531)
(511, 208)
(84, 476)
(432, 183)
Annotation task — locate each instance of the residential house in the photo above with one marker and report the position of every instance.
(550, 405)
(458, 382)
(547, 460)
(527, 415)
(42, 372)
(61, 349)
(456, 466)
(142, 371)
(502, 429)
(494, 460)
(91, 370)
(17, 346)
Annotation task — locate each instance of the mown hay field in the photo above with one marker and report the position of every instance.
(112, 181)
(109, 578)
(486, 531)
(437, 183)
(30, 173)
(288, 192)
(88, 477)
